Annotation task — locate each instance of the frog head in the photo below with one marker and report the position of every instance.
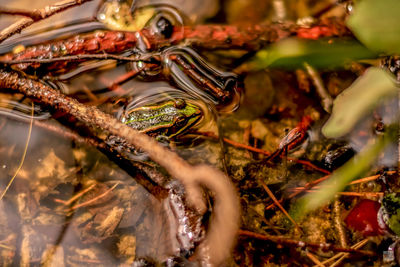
(165, 120)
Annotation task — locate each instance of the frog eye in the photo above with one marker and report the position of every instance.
(164, 21)
(162, 139)
(165, 27)
(180, 103)
(180, 121)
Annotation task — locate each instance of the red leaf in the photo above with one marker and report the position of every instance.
(364, 218)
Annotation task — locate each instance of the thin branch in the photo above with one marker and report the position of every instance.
(290, 242)
(304, 189)
(223, 227)
(355, 194)
(344, 254)
(338, 223)
(249, 38)
(271, 195)
(77, 58)
(256, 36)
(35, 14)
(75, 197)
(43, 13)
(261, 151)
(80, 205)
(314, 259)
(326, 98)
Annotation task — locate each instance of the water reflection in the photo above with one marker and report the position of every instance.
(72, 205)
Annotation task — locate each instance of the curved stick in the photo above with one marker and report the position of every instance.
(224, 224)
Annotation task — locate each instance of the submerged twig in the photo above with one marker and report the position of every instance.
(314, 259)
(75, 197)
(358, 181)
(261, 151)
(303, 189)
(271, 195)
(80, 205)
(224, 224)
(78, 58)
(301, 244)
(342, 255)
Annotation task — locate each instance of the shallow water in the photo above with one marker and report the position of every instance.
(72, 204)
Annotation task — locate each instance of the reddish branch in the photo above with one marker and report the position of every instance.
(255, 36)
(250, 38)
(224, 224)
(261, 151)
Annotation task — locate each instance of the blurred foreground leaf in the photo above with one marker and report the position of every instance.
(351, 170)
(358, 100)
(292, 53)
(376, 24)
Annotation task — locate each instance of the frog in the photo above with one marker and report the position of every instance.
(166, 120)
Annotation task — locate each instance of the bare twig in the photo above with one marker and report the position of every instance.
(204, 36)
(261, 151)
(355, 194)
(86, 203)
(358, 181)
(78, 58)
(75, 197)
(271, 195)
(314, 259)
(35, 14)
(338, 222)
(38, 14)
(224, 224)
(256, 36)
(326, 98)
(290, 242)
(340, 256)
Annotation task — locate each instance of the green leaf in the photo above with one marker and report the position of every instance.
(351, 170)
(358, 100)
(376, 24)
(292, 53)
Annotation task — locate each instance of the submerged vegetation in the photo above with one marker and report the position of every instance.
(215, 133)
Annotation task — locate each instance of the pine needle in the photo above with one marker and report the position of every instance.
(23, 156)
